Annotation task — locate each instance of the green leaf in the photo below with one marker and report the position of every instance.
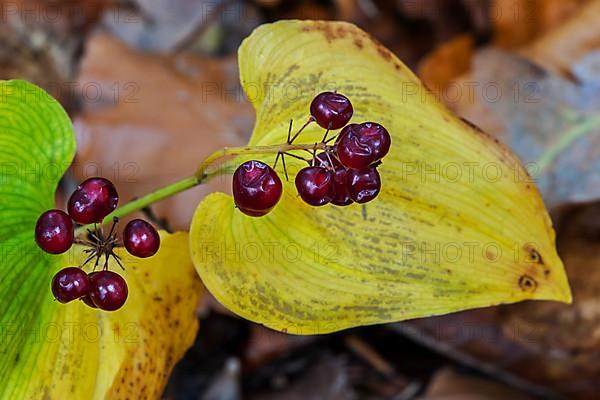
(457, 225)
(56, 351)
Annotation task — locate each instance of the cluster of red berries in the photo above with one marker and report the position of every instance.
(343, 173)
(90, 203)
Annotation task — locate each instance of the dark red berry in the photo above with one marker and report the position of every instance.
(54, 232)
(88, 301)
(93, 200)
(315, 185)
(331, 110)
(360, 145)
(363, 184)
(108, 290)
(256, 188)
(324, 160)
(69, 284)
(141, 239)
(341, 195)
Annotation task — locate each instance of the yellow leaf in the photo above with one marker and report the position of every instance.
(75, 352)
(459, 224)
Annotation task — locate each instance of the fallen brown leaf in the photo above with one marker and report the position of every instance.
(558, 49)
(155, 119)
(448, 384)
(326, 379)
(551, 32)
(451, 59)
(41, 41)
(518, 22)
(266, 344)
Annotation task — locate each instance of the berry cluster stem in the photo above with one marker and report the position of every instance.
(202, 175)
(236, 151)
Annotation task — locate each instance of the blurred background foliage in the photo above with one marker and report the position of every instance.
(143, 79)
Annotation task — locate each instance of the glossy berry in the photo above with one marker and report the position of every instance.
(360, 145)
(54, 232)
(69, 284)
(331, 110)
(363, 184)
(88, 301)
(256, 188)
(93, 200)
(108, 290)
(341, 195)
(141, 239)
(315, 185)
(327, 161)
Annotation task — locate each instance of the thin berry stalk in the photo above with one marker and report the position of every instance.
(201, 176)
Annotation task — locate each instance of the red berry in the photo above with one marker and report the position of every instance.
(256, 188)
(88, 301)
(108, 290)
(363, 184)
(341, 195)
(331, 110)
(325, 161)
(315, 185)
(141, 239)
(69, 284)
(54, 232)
(360, 145)
(93, 200)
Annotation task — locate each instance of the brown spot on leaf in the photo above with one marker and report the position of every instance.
(491, 255)
(527, 283)
(384, 53)
(533, 255)
(327, 29)
(342, 31)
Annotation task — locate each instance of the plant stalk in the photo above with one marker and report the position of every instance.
(201, 176)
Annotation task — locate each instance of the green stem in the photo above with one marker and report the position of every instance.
(201, 176)
(567, 140)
